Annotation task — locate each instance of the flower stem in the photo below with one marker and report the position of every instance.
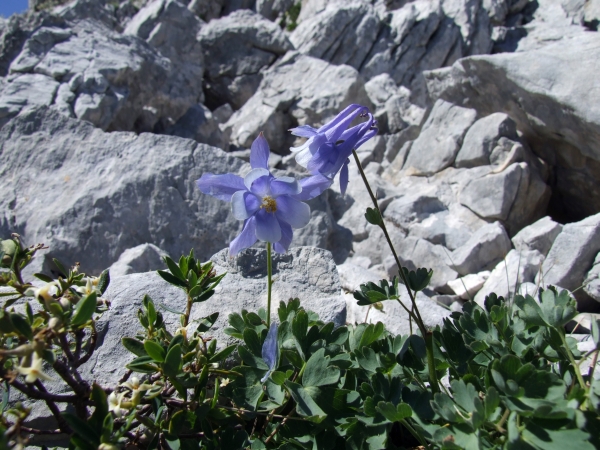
(418, 319)
(269, 283)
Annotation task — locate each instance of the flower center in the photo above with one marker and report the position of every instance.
(269, 204)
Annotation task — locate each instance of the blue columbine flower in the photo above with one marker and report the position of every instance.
(270, 207)
(327, 150)
(270, 350)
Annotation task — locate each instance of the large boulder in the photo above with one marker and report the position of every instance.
(559, 118)
(571, 257)
(91, 195)
(341, 33)
(171, 28)
(237, 48)
(115, 82)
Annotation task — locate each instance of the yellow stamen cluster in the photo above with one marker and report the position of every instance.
(269, 204)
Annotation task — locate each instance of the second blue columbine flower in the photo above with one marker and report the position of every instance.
(328, 149)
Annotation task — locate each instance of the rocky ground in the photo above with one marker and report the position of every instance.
(486, 165)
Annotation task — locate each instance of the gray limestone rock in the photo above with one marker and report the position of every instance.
(143, 258)
(517, 268)
(538, 236)
(352, 276)
(297, 89)
(207, 9)
(482, 138)
(572, 256)
(416, 253)
(273, 9)
(416, 37)
(466, 287)
(26, 91)
(591, 284)
(482, 251)
(559, 119)
(340, 34)
(492, 195)
(199, 123)
(237, 48)
(118, 82)
(91, 195)
(171, 28)
(440, 139)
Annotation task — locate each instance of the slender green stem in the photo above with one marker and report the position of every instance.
(572, 360)
(415, 433)
(269, 282)
(418, 319)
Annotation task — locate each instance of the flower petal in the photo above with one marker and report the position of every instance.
(253, 175)
(261, 187)
(244, 204)
(313, 186)
(344, 177)
(285, 186)
(259, 153)
(246, 239)
(286, 238)
(305, 131)
(267, 226)
(292, 211)
(220, 186)
(270, 349)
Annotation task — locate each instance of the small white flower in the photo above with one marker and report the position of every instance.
(224, 382)
(34, 371)
(117, 405)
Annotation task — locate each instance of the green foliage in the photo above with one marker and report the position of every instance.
(513, 375)
(290, 17)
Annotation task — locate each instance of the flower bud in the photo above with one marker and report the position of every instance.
(65, 303)
(9, 247)
(54, 323)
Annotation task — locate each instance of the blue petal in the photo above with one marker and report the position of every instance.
(292, 211)
(323, 159)
(286, 238)
(304, 131)
(341, 122)
(246, 239)
(344, 177)
(285, 186)
(244, 204)
(267, 226)
(259, 153)
(253, 175)
(313, 186)
(261, 187)
(220, 186)
(270, 350)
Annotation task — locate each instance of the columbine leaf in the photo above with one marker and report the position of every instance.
(419, 279)
(394, 413)
(318, 372)
(370, 293)
(305, 404)
(373, 217)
